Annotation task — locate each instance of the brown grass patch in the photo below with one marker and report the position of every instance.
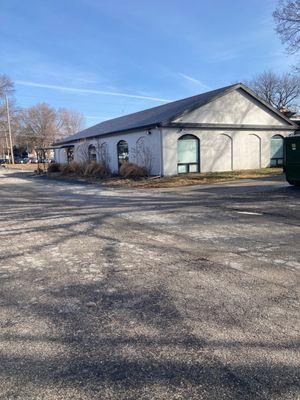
(23, 167)
(194, 179)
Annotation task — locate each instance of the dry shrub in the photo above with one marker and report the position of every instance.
(93, 169)
(133, 171)
(65, 169)
(39, 171)
(96, 170)
(54, 167)
(77, 167)
(73, 168)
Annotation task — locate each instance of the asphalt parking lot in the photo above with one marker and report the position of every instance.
(127, 294)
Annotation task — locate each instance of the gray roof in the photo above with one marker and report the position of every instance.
(158, 116)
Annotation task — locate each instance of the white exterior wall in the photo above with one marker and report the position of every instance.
(221, 150)
(228, 149)
(60, 156)
(236, 107)
(152, 141)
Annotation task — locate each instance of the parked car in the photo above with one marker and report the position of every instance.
(50, 160)
(21, 160)
(42, 160)
(24, 160)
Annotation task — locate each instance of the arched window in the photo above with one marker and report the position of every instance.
(188, 154)
(92, 153)
(276, 151)
(123, 154)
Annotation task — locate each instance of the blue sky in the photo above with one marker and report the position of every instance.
(108, 58)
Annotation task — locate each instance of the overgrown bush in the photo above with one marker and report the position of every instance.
(96, 170)
(78, 168)
(39, 171)
(73, 168)
(93, 169)
(54, 167)
(65, 169)
(133, 171)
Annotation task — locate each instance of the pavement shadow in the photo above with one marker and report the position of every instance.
(125, 335)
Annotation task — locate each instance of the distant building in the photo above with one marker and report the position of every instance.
(296, 119)
(221, 130)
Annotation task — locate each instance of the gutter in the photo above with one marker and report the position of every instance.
(95, 136)
(190, 125)
(161, 153)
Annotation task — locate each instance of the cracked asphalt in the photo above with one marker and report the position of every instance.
(191, 293)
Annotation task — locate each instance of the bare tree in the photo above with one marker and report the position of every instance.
(287, 19)
(41, 125)
(281, 91)
(38, 126)
(6, 85)
(69, 122)
(6, 90)
(3, 131)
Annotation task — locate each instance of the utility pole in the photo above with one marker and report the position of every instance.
(9, 131)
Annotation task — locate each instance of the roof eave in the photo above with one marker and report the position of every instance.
(269, 106)
(228, 90)
(196, 105)
(195, 125)
(142, 127)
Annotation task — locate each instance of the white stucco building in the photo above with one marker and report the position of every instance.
(222, 130)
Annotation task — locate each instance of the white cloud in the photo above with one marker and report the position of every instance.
(194, 80)
(88, 91)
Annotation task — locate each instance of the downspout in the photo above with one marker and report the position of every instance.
(161, 153)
